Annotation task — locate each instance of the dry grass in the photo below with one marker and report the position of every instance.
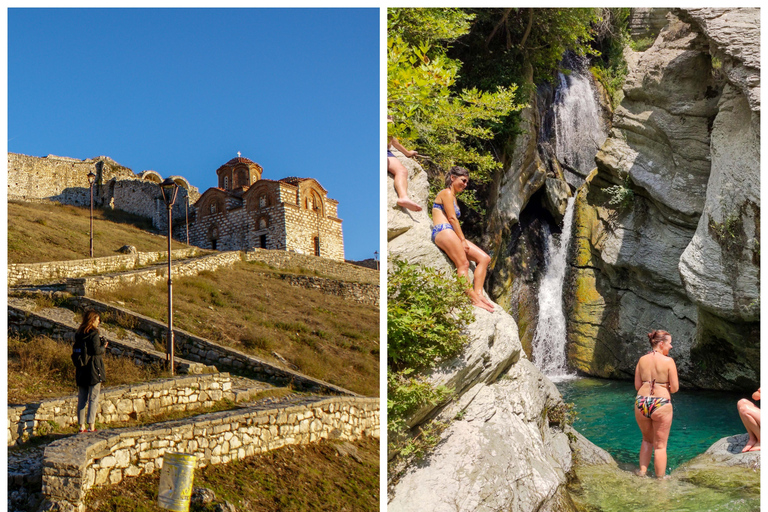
(327, 337)
(41, 368)
(290, 479)
(61, 232)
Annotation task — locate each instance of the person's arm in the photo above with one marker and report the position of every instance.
(638, 379)
(756, 395)
(400, 148)
(93, 344)
(447, 198)
(674, 382)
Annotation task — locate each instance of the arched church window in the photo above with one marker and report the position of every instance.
(226, 182)
(213, 207)
(262, 201)
(262, 223)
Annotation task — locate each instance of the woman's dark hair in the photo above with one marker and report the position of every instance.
(89, 318)
(455, 171)
(656, 337)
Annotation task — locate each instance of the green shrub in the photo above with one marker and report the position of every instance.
(426, 316)
(621, 196)
(426, 313)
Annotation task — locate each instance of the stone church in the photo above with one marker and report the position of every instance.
(247, 211)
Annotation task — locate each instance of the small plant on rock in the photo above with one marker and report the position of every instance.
(621, 196)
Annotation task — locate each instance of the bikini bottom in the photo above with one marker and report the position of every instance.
(390, 154)
(438, 228)
(647, 404)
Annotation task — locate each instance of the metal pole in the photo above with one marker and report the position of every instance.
(90, 252)
(170, 295)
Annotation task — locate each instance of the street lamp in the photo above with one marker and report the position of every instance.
(376, 257)
(169, 189)
(91, 181)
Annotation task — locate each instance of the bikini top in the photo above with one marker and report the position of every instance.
(440, 207)
(653, 382)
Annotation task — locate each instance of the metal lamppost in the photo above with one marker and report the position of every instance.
(91, 181)
(376, 257)
(169, 189)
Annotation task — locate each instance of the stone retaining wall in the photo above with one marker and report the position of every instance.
(364, 293)
(34, 273)
(201, 350)
(89, 285)
(121, 403)
(25, 321)
(73, 465)
(329, 268)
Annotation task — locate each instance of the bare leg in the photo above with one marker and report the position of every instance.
(448, 241)
(400, 174)
(646, 447)
(750, 416)
(482, 259)
(662, 422)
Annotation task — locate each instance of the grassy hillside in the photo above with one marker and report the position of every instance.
(327, 337)
(61, 232)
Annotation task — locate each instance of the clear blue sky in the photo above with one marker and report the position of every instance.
(181, 91)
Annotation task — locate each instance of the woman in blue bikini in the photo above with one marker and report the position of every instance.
(655, 381)
(447, 235)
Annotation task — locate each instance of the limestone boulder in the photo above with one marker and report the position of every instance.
(724, 468)
(682, 253)
(501, 451)
(721, 265)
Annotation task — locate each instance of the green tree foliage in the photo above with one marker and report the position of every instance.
(430, 113)
(426, 316)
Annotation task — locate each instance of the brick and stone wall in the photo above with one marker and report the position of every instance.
(92, 284)
(23, 321)
(363, 293)
(121, 403)
(325, 267)
(206, 352)
(65, 180)
(73, 465)
(34, 273)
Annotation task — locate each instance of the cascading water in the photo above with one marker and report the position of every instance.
(549, 340)
(578, 122)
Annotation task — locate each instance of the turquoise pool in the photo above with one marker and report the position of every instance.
(605, 417)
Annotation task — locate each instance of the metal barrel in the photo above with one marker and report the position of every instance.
(176, 481)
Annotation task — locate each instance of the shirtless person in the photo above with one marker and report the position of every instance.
(400, 173)
(750, 416)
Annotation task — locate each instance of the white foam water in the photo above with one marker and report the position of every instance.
(550, 338)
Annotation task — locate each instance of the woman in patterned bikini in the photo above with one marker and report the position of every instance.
(655, 381)
(447, 235)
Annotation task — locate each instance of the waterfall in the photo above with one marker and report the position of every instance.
(549, 340)
(578, 122)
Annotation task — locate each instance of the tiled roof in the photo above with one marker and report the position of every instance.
(293, 180)
(240, 160)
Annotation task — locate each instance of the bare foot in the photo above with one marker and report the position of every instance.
(663, 477)
(487, 302)
(479, 303)
(639, 473)
(755, 448)
(408, 204)
(750, 443)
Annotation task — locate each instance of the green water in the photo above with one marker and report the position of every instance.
(605, 416)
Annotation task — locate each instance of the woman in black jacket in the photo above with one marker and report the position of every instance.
(90, 375)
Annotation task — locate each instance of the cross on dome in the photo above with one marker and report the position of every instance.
(238, 154)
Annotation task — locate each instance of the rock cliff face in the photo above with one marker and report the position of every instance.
(505, 447)
(683, 253)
